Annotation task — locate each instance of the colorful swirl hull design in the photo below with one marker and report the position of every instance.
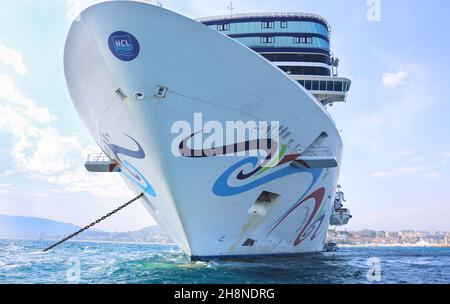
(308, 228)
(222, 187)
(131, 172)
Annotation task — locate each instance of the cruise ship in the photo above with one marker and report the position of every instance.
(158, 92)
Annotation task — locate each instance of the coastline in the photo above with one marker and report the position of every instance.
(89, 241)
(394, 245)
(173, 244)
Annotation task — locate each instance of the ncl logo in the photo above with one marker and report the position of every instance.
(124, 46)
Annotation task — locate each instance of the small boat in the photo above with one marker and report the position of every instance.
(331, 247)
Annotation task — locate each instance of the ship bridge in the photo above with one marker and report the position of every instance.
(297, 43)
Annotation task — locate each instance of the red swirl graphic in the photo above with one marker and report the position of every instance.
(318, 196)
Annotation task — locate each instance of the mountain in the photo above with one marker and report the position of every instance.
(39, 228)
(29, 227)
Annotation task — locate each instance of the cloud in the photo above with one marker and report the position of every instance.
(424, 171)
(16, 100)
(392, 80)
(390, 114)
(41, 152)
(192, 8)
(432, 174)
(203, 8)
(5, 188)
(50, 152)
(384, 174)
(409, 152)
(75, 7)
(412, 156)
(447, 154)
(12, 58)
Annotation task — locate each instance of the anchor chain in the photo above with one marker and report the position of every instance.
(94, 223)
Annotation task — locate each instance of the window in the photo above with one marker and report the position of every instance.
(302, 82)
(308, 84)
(267, 24)
(338, 86)
(323, 85)
(303, 40)
(330, 86)
(315, 85)
(223, 27)
(297, 57)
(347, 86)
(270, 39)
(306, 70)
(283, 24)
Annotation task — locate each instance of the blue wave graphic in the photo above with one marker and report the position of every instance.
(222, 188)
(136, 177)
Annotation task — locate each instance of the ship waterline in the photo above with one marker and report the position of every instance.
(133, 70)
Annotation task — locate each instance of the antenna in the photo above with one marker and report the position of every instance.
(230, 8)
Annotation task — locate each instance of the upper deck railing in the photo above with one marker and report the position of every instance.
(98, 158)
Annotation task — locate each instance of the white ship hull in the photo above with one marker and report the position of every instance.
(199, 201)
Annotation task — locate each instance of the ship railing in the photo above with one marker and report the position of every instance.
(98, 158)
(339, 85)
(318, 151)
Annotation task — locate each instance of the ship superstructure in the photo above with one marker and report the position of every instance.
(297, 43)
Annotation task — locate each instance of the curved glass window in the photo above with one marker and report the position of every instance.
(308, 84)
(297, 57)
(323, 85)
(307, 27)
(285, 41)
(306, 70)
(315, 85)
(330, 86)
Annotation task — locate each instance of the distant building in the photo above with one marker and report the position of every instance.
(368, 233)
(381, 234)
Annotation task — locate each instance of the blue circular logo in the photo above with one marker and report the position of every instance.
(124, 46)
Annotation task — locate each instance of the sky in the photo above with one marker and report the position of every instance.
(395, 124)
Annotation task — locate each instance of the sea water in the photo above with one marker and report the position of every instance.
(22, 261)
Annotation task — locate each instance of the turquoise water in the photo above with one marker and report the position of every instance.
(24, 262)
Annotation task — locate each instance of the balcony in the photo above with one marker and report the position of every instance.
(327, 89)
(100, 162)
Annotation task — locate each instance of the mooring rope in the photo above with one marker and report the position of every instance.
(94, 223)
